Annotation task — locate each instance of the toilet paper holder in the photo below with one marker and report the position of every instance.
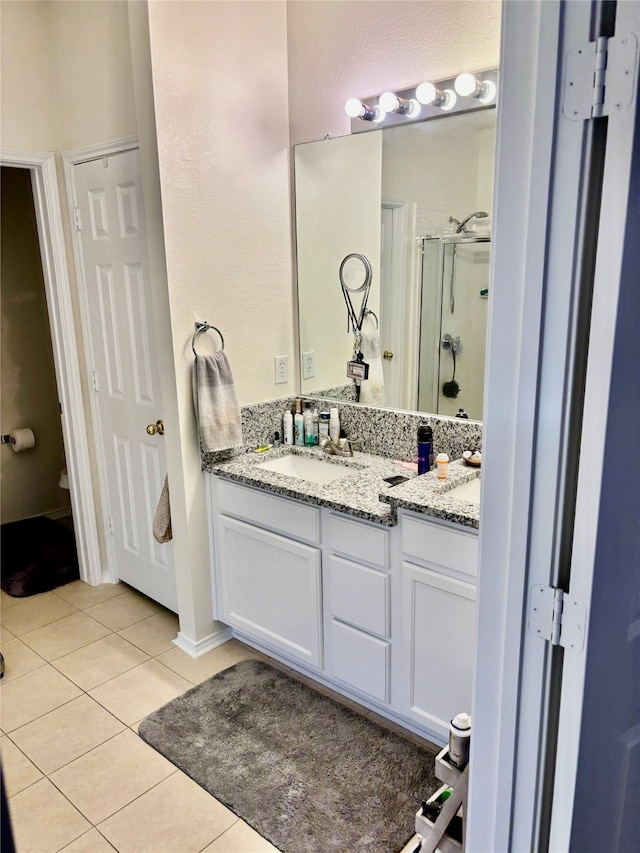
(7, 439)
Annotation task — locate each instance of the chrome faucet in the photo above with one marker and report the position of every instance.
(341, 447)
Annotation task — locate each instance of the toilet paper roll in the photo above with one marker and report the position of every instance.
(22, 439)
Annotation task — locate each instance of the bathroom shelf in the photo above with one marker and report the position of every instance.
(433, 834)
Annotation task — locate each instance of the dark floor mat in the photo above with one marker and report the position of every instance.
(37, 554)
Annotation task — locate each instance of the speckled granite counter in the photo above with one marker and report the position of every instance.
(363, 494)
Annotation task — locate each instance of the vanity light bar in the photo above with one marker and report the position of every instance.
(462, 93)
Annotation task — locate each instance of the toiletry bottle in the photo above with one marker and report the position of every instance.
(287, 426)
(308, 425)
(276, 439)
(442, 466)
(298, 424)
(316, 426)
(323, 425)
(425, 448)
(334, 425)
(459, 740)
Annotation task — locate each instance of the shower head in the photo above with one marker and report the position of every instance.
(479, 214)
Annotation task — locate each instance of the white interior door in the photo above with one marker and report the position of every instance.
(113, 250)
(391, 286)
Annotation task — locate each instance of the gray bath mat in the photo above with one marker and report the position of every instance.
(308, 774)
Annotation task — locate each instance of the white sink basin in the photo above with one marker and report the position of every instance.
(467, 491)
(307, 468)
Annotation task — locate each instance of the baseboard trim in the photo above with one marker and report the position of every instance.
(201, 647)
(58, 513)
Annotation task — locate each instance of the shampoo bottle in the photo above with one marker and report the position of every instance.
(287, 425)
(309, 439)
(298, 424)
(334, 425)
(459, 740)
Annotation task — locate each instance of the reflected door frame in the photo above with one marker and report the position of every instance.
(392, 299)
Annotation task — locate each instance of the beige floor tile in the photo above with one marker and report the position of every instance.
(33, 695)
(83, 595)
(123, 610)
(35, 612)
(198, 669)
(17, 770)
(140, 691)
(175, 815)
(65, 636)
(19, 659)
(155, 634)
(112, 775)
(100, 661)
(241, 838)
(65, 734)
(43, 820)
(90, 842)
(7, 601)
(5, 635)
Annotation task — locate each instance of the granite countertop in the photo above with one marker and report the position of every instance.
(363, 493)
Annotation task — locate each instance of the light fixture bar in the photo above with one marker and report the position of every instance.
(427, 100)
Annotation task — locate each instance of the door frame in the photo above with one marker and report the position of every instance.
(398, 274)
(71, 158)
(46, 197)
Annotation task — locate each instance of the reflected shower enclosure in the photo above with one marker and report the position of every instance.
(453, 324)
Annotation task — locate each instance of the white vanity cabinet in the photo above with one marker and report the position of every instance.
(357, 584)
(439, 570)
(268, 579)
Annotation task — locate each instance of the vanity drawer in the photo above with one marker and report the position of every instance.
(438, 545)
(292, 518)
(360, 660)
(359, 540)
(360, 596)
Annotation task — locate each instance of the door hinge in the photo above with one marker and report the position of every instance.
(77, 218)
(94, 379)
(600, 77)
(110, 520)
(558, 617)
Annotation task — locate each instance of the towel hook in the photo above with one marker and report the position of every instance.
(203, 326)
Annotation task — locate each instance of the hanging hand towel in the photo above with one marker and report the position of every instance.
(162, 521)
(372, 389)
(216, 403)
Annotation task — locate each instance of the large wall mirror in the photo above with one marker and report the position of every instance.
(415, 200)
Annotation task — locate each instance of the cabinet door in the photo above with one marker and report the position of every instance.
(271, 588)
(439, 636)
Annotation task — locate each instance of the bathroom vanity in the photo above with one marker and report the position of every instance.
(367, 588)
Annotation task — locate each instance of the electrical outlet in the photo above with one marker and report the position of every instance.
(281, 364)
(308, 365)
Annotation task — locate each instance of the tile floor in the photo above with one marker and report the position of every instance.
(84, 665)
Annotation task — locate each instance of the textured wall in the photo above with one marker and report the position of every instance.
(28, 382)
(355, 48)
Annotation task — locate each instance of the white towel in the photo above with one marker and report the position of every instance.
(372, 389)
(216, 403)
(162, 520)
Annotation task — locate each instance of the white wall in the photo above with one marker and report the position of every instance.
(355, 48)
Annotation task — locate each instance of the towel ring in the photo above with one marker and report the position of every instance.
(203, 327)
(371, 313)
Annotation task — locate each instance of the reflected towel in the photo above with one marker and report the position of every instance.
(162, 520)
(372, 389)
(216, 403)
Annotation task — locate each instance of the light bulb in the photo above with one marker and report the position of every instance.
(427, 93)
(388, 102)
(354, 108)
(414, 108)
(489, 92)
(379, 115)
(466, 84)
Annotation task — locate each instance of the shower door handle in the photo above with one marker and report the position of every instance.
(158, 428)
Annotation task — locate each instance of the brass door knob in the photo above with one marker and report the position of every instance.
(158, 427)
(388, 355)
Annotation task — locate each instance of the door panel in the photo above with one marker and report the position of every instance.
(113, 248)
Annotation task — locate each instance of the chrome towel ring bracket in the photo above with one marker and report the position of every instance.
(203, 326)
